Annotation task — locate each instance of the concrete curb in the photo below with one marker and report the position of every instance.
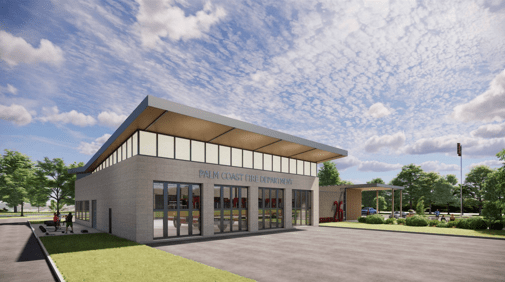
(398, 231)
(54, 270)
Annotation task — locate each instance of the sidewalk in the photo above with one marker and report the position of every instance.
(50, 230)
(21, 258)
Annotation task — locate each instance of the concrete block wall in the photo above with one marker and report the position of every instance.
(112, 188)
(127, 188)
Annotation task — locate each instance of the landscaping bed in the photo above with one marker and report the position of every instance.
(422, 229)
(104, 257)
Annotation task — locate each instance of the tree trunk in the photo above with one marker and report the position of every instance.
(410, 203)
(448, 209)
(38, 209)
(430, 207)
(22, 204)
(15, 208)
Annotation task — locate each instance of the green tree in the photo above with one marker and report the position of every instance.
(368, 198)
(54, 207)
(428, 185)
(328, 175)
(59, 183)
(411, 178)
(474, 183)
(16, 174)
(345, 182)
(443, 192)
(382, 204)
(37, 195)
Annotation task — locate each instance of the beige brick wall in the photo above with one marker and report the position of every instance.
(127, 188)
(327, 196)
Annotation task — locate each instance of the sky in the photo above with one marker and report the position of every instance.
(391, 82)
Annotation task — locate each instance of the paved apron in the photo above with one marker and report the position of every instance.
(21, 258)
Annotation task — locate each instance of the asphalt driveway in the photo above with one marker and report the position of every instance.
(334, 254)
(21, 258)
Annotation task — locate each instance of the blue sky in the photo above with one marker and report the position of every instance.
(392, 82)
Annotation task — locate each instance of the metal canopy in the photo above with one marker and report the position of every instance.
(165, 117)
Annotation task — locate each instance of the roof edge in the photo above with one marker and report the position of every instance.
(140, 108)
(201, 114)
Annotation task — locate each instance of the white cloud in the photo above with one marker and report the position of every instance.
(490, 163)
(436, 166)
(487, 107)
(378, 110)
(73, 117)
(375, 143)
(490, 131)
(347, 162)
(91, 148)
(111, 119)
(11, 89)
(161, 18)
(378, 166)
(15, 50)
(15, 113)
(473, 147)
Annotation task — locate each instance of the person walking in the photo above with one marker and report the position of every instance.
(69, 223)
(437, 213)
(55, 220)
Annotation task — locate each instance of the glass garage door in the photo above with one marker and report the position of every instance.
(176, 208)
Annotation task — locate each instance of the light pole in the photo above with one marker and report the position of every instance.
(460, 153)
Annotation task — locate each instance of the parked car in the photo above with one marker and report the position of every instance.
(368, 210)
(397, 214)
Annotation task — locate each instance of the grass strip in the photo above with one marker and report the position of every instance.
(33, 216)
(104, 257)
(422, 229)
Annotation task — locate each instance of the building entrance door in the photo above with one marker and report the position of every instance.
(93, 214)
(176, 209)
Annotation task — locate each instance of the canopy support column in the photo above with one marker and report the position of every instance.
(401, 203)
(392, 202)
(377, 197)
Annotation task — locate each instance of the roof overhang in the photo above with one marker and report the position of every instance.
(363, 187)
(161, 116)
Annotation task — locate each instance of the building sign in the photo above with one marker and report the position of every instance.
(244, 177)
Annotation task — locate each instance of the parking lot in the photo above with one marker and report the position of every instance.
(331, 254)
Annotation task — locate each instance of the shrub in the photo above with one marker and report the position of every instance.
(390, 221)
(477, 223)
(362, 219)
(400, 221)
(433, 222)
(416, 220)
(375, 219)
(474, 223)
(443, 225)
(450, 224)
(496, 225)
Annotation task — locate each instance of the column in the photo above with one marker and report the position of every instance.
(207, 209)
(377, 197)
(252, 211)
(401, 202)
(393, 202)
(288, 208)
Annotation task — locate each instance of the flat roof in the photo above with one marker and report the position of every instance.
(158, 115)
(362, 187)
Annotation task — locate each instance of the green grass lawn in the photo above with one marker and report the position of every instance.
(104, 257)
(28, 216)
(424, 229)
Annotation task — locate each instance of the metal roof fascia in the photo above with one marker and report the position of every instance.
(140, 108)
(200, 114)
